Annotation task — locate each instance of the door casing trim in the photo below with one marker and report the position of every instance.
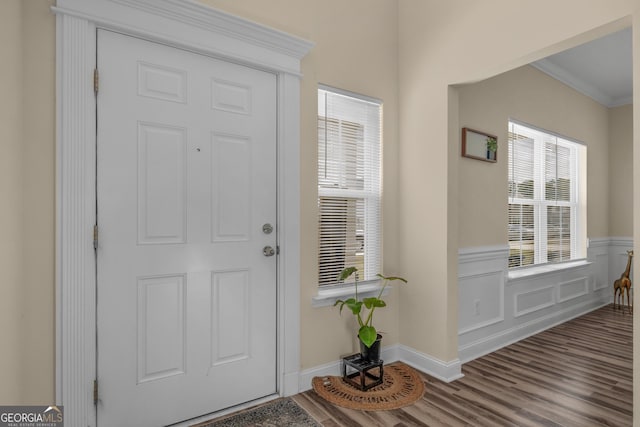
(200, 29)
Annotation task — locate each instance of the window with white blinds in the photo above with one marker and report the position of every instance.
(545, 210)
(349, 185)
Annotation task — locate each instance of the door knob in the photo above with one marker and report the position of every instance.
(268, 251)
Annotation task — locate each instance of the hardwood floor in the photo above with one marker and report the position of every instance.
(575, 374)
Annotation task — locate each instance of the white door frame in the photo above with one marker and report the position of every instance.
(193, 27)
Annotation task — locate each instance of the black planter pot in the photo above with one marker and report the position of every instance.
(371, 354)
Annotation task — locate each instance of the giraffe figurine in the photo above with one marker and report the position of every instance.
(623, 285)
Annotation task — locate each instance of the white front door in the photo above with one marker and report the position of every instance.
(186, 180)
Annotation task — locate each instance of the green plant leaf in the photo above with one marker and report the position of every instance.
(355, 306)
(492, 144)
(344, 275)
(374, 302)
(391, 278)
(368, 335)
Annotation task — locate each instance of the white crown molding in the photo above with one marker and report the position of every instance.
(572, 81)
(196, 27)
(619, 102)
(213, 20)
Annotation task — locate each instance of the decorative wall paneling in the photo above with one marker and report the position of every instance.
(498, 307)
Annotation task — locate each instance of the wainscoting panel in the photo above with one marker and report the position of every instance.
(481, 282)
(497, 307)
(573, 289)
(482, 305)
(533, 300)
(601, 276)
(599, 255)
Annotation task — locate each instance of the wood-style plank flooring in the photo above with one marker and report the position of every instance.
(575, 374)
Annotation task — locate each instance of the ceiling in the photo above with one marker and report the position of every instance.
(601, 69)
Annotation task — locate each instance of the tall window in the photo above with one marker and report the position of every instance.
(547, 217)
(349, 190)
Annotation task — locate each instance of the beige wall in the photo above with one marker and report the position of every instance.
(621, 171)
(27, 188)
(527, 95)
(11, 245)
(38, 174)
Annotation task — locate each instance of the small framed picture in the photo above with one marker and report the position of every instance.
(479, 145)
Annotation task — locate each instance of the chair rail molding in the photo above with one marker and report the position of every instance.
(182, 24)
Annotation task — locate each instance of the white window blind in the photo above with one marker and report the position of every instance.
(349, 185)
(545, 215)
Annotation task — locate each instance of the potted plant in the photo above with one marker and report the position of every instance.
(367, 334)
(492, 144)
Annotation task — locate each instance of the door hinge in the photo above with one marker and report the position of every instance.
(96, 81)
(95, 392)
(95, 236)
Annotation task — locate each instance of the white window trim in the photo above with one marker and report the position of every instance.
(327, 294)
(539, 270)
(578, 242)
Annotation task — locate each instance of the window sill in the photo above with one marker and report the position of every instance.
(545, 269)
(327, 297)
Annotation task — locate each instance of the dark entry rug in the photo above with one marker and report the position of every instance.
(279, 413)
(401, 387)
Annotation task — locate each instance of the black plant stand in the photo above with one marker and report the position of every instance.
(355, 366)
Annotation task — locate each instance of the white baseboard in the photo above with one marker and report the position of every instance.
(436, 368)
(509, 336)
(444, 371)
(388, 354)
(306, 376)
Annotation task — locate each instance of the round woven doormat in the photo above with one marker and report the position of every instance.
(401, 386)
